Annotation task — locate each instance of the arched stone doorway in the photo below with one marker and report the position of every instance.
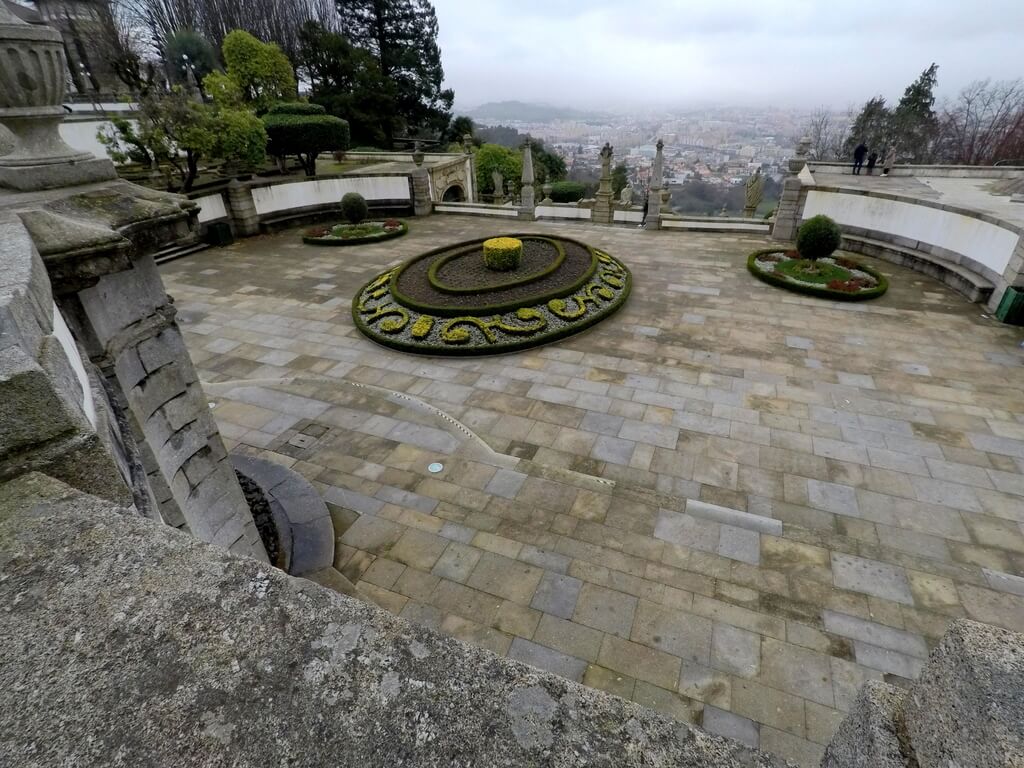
(454, 194)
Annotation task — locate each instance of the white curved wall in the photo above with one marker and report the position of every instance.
(987, 244)
(562, 212)
(211, 207)
(282, 197)
(82, 136)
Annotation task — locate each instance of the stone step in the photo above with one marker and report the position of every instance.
(178, 252)
(967, 708)
(869, 736)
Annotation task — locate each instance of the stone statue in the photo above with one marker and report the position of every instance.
(626, 196)
(499, 186)
(754, 193)
(606, 161)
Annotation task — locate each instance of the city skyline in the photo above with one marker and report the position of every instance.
(671, 54)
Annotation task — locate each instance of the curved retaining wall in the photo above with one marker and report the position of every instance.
(982, 243)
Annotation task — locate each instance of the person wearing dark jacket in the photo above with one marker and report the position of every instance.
(872, 159)
(858, 158)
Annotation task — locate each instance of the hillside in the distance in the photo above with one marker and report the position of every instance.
(508, 111)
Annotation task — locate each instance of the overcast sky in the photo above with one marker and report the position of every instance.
(629, 53)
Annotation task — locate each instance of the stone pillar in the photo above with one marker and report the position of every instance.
(421, 202)
(602, 213)
(657, 183)
(527, 202)
(467, 145)
(97, 247)
(787, 219)
(245, 220)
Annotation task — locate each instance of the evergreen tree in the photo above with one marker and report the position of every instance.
(872, 127)
(347, 82)
(620, 178)
(402, 36)
(914, 123)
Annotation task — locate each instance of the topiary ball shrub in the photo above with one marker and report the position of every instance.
(818, 237)
(503, 253)
(353, 207)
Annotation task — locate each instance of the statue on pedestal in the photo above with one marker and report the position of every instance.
(626, 196)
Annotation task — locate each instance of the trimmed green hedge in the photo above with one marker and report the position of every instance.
(818, 237)
(823, 291)
(438, 265)
(354, 207)
(305, 131)
(567, 191)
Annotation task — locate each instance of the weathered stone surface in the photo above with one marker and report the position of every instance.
(868, 737)
(967, 708)
(104, 669)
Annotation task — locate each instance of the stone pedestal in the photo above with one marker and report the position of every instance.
(420, 182)
(603, 210)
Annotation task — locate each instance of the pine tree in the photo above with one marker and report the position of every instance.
(402, 36)
(914, 123)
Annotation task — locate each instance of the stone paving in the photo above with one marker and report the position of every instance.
(728, 503)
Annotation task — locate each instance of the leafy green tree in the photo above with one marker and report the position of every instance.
(914, 123)
(259, 71)
(188, 47)
(177, 132)
(872, 127)
(347, 82)
(460, 126)
(620, 178)
(490, 158)
(402, 36)
(304, 130)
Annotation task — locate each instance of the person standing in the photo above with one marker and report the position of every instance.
(858, 158)
(890, 160)
(872, 159)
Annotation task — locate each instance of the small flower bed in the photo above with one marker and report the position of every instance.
(834, 277)
(354, 234)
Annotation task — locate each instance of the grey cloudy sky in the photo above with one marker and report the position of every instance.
(629, 53)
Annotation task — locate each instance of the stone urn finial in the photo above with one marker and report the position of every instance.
(32, 83)
(417, 154)
(31, 92)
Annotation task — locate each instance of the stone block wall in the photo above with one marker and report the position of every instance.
(53, 412)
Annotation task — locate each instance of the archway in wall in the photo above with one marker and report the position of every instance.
(454, 194)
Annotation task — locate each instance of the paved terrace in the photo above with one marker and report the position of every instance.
(872, 456)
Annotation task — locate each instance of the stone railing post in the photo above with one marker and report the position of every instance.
(654, 201)
(788, 216)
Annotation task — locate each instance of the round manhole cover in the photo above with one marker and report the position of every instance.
(435, 467)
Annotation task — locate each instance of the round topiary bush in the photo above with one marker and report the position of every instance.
(818, 237)
(353, 207)
(503, 253)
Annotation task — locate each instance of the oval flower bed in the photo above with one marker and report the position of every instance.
(355, 234)
(833, 277)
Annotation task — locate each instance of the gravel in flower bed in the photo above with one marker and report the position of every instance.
(385, 317)
(833, 277)
(413, 288)
(467, 270)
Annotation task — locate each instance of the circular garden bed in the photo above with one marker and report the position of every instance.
(832, 277)
(355, 234)
(448, 301)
